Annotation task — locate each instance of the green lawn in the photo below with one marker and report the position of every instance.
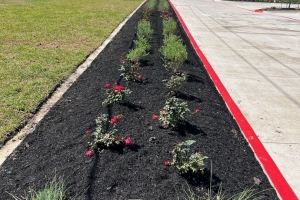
(41, 42)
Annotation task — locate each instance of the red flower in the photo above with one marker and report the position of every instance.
(114, 120)
(162, 112)
(154, 117)
(167, 163)
(127, 141)
(107, 85)
(197, 110)
(89, 153)
(87, 132)
(140, 77)
(119, 87)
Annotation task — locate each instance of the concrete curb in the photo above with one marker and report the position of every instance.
(13, 143)
(281, 186)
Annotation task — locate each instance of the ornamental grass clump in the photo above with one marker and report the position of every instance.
(144, 30)
(115, 94)
(173, 113)
(105, 134)
(176, 81)
(185, 163)
(174, 52)
(169, 27)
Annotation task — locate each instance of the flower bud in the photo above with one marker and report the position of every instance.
(154, 117)
(127, 141)
(89, 153)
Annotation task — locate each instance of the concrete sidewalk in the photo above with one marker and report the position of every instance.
(256, 56)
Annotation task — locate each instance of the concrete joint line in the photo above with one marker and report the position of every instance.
(13, 143)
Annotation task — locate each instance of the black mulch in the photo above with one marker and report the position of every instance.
(137, 172)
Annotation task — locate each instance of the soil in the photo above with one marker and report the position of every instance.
(136, 172)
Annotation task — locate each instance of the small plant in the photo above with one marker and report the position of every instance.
(129, 71)
(174, 52)
(105, 134)
(147, 14)
(163, 5)
(142, 43)
(173, 113)
(184, 162)
(135, 55)
(176, 81)
(151, 4)
(149, 9)
(144, 30)
(169, 27)
(163, 8)
(115, 94)
(56, 189)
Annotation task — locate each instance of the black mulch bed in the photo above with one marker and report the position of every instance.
(137, 172)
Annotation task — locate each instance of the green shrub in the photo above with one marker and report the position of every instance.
(173, 113)
(151, 5)
(142, 43)
(169, 27)
(144, 30)
(176, 81)
(186, 163)
(174, 52)
(136, 54)
(163, 5)
(149, 9)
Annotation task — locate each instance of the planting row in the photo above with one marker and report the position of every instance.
(175, 110)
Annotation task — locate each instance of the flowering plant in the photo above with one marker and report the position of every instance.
(173, 112)
(129, 71)
(105, 134)
(176, 81)
(185, 163)
(115, 94)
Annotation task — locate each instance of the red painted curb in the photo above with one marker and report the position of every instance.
(283, 189)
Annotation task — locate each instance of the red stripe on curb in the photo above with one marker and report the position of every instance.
(283, 189)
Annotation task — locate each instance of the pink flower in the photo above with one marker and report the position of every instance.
(119, 87)
(127, 141)
(199, 152)
(197, 110)
(167, 163)
(89, 153)
(87, 132)
(140, 77)
(154, 117)
(107, 85)
(114, 120)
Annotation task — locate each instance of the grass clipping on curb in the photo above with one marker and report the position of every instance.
(42, 42)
